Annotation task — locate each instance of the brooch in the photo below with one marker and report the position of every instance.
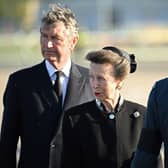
(136, 114)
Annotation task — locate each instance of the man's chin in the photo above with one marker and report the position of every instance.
(51, 57)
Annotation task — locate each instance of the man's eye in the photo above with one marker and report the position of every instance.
(56, 38)
(44, 36)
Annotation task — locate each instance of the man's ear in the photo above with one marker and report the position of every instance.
(74, 42)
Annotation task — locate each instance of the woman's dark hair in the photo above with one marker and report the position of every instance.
(130, 57)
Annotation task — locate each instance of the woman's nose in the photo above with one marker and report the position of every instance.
(94, 83)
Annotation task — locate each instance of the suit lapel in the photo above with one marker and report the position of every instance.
(74, 88)
(44, 86)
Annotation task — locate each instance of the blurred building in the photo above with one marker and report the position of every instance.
(92, 15)
(126, 22)
(121, 22)
(108, 14)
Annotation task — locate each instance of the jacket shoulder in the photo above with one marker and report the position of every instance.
(27, 74)
(27, 70)
(82, 69)
(135, 106)
(159, 88)
(163, 80)
(135, 110)
(78, 111)
(162, 83)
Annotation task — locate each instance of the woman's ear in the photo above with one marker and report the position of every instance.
(119, 84)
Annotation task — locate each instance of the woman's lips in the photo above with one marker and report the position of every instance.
(97, 93)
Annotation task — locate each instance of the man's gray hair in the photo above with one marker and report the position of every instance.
(59, 13)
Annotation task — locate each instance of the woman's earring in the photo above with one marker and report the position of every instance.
(118, 86)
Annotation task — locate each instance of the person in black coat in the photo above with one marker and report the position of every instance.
(104, 132)
(32, 110)
(154, 135)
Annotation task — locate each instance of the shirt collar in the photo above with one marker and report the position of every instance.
(66, 69)
(118, 107)
(51, 70)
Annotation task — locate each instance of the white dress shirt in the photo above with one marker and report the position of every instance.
(64, 77)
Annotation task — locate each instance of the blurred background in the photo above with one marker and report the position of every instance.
(139, 27)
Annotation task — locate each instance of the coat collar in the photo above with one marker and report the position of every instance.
(75, 85)
(117, 108)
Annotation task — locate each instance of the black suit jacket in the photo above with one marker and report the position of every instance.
(92, 140)
(30, 112)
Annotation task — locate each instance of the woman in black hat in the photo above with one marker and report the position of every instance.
(104, 133)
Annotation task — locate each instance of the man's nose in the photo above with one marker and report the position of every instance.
(49, 44)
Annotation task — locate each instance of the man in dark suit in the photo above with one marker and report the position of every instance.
(31, 105)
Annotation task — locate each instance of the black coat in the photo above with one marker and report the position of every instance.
(30, 112)
(155, 131)
(93, 140)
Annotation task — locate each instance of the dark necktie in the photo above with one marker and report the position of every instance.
(58, 88)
